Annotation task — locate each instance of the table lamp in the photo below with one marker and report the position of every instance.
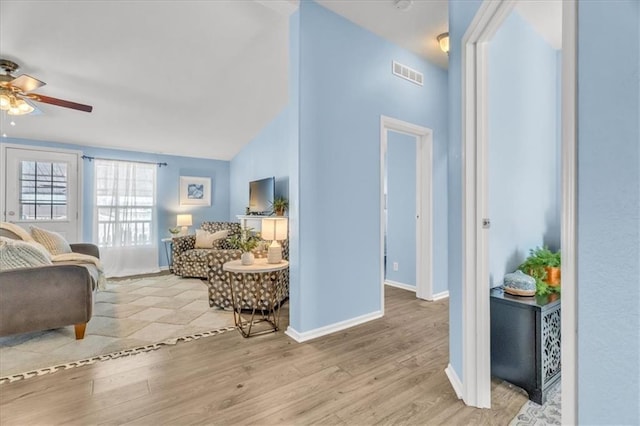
(274, 229)
(184, 221)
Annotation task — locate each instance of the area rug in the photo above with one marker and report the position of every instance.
(129, 317)
(550, 413)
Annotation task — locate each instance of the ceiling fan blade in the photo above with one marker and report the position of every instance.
(26, 83)
(60, 102)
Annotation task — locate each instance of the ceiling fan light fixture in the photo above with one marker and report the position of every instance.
(19, 107)
(5, 102)
(24, 107)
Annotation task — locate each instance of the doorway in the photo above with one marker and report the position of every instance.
(476, 389)
(41, 188)
(411, 214)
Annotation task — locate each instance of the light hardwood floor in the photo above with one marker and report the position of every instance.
(388, 371)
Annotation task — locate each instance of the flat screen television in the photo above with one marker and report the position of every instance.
(261, 195)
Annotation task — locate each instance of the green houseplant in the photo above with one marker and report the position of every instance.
(543, 265)
(280, 205)
(247, 240)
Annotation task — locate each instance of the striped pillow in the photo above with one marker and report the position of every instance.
(16, 254)
(52, 241)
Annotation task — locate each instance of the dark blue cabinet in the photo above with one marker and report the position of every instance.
(525, 341)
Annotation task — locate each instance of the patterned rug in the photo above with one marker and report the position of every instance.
(539, 415)
(130, 316)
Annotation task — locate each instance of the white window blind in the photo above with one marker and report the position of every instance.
(125, 216)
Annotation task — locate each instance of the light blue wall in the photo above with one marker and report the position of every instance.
(266, 155)
(167, 186)
(523, 146)
(461, 13)
(345, 85)
(608, 212)
(401, 208)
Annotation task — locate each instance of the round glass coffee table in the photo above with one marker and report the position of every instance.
(259, 286)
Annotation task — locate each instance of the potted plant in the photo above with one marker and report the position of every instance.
(280, 205)
(246, 240)
(543, 265)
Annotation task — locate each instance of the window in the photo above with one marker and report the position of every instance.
(43, 191)
(125, 203)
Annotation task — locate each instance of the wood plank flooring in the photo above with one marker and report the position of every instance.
(388, 371)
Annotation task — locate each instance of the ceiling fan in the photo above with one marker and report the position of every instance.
(15, 96)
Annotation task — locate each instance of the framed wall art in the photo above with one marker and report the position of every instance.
(195, 191)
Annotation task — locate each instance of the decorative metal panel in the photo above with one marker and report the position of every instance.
(550, 345)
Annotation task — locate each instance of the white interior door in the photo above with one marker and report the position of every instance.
(41, 188)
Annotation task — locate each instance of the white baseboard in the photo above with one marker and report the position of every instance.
(331, 328)
(400, 285)
(439, 296)
(455, 380)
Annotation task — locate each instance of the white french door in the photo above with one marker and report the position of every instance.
(41, 188)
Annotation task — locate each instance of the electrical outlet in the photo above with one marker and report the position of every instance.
(395, 266)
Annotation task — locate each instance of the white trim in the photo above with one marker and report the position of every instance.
(439, 296)
(424, 204)
(569, 310)
(79, 184)
(456, 384)
(475, 302)
(331, 328)
(476, 349)
(396, 284)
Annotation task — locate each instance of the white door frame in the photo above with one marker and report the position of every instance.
(77, 153)
(476, 349)
(424, 208)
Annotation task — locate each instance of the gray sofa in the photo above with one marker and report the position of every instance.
(48, 297)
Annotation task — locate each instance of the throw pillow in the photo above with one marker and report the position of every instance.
(52, 241)
(206, 239)
(16, 254)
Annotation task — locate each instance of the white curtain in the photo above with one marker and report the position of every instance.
(125, 217)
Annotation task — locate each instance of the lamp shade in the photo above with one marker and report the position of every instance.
(274, 228)
(184, 220)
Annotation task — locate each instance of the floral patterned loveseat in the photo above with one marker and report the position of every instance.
(191, 262)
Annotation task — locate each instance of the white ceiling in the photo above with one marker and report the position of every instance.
(194, 78)
(416, 29)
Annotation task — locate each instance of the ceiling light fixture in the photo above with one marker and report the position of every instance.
(14, 105)
(403, 4)
(443, 41)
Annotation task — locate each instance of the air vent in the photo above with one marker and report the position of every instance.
(407, 73)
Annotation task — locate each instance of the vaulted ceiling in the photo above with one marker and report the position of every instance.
(195, 78)
(191, 77)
